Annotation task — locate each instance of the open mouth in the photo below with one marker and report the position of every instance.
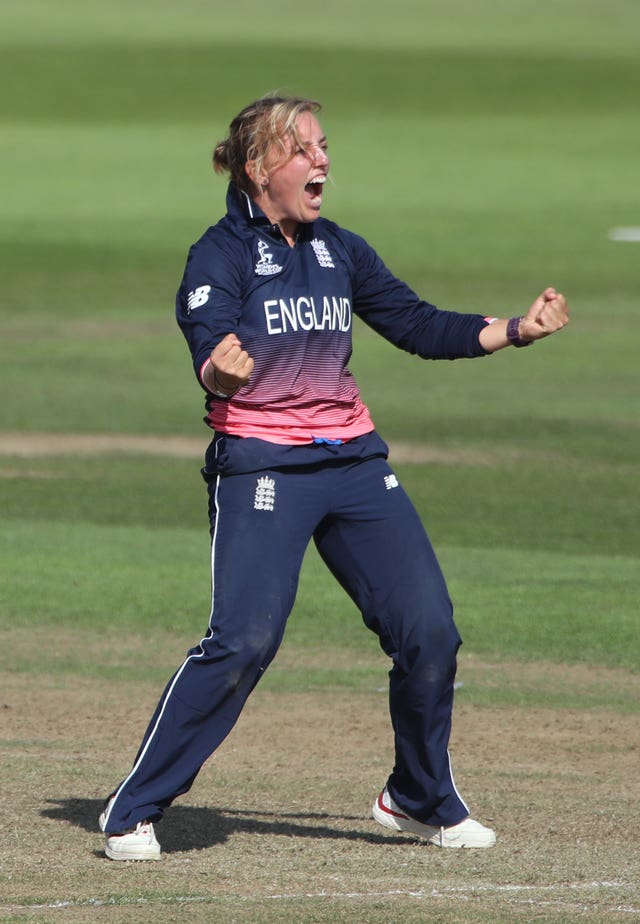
(314, 188)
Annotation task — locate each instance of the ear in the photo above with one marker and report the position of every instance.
(259, 179)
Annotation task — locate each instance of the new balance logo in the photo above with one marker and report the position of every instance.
(198, 297)
(390, 481)
(265, 496)
(322, 253)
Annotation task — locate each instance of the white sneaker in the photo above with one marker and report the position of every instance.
(139, 843)
(468, 833)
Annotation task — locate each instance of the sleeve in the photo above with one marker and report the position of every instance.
(209, 301)
(395, 311)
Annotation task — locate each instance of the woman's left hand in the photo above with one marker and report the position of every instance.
(548, 314)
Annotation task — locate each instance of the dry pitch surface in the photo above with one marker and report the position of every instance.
(277, 827)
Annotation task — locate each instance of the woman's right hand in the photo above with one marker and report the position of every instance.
(230, 366)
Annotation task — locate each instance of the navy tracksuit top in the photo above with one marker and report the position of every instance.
(292, 309)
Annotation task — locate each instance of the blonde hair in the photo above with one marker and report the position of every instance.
(262, 126)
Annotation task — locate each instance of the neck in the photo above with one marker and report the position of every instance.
(288, 227)
(289, 231)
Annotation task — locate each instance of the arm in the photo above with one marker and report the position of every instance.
(391, 308)
(547, 314)
(208, 309)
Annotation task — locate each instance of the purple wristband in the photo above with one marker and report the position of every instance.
(513, 327)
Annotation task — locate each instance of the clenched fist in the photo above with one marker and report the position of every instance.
(229, 367)
(547, 314)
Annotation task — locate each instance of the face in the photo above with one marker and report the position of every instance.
(293, 191)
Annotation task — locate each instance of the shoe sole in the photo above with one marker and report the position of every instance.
(134, 855)
(468, 843)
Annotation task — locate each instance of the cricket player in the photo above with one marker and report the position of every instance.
(266, 305)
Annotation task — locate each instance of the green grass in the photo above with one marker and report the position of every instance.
(485, 150)
(569, 27)
(482, 162)
(121, 545)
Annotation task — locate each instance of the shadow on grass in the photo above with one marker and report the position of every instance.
(192, 828)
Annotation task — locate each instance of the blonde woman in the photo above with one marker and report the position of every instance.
(266, 305)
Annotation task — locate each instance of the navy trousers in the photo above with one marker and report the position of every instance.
(372, 540)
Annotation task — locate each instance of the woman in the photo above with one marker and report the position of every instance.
(266, 306)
